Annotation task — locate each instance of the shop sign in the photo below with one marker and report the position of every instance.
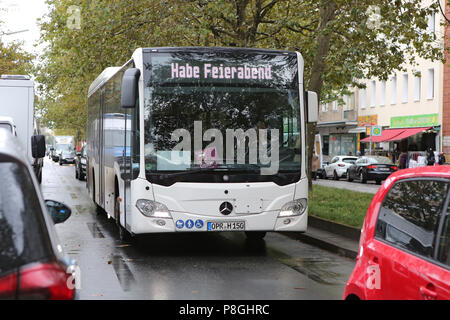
(367, 120)
(424, 120)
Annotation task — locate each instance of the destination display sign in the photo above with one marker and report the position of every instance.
(221, 69)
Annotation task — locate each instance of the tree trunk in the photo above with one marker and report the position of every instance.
(328, 10)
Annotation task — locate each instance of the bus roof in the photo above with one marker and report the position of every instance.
(217, 49)
(102, 78)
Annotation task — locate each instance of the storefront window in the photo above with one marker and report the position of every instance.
(342, 144)
(326, 145)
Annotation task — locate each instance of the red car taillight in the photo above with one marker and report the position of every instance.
(341, 165)
(40, 281)
(394, 167)
(8, 286)
(371, 167)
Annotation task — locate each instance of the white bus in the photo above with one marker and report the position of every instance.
(197, 98)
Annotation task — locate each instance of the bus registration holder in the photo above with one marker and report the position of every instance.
(225, 225)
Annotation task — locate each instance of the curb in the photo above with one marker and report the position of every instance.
(334, 227)
(349, 233)
(323, 244)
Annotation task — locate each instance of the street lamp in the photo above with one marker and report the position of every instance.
(12, 32)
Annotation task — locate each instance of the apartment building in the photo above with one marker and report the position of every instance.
(446, 94)
(411, 100)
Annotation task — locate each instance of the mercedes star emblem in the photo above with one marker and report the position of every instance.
(226, 208)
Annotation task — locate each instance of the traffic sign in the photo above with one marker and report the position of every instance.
(376, 131)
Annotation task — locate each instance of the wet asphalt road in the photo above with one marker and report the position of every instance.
(186, 266)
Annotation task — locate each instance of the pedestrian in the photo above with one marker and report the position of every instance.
(315, 166)
(430, 157)
(441, 159)
(403, 159)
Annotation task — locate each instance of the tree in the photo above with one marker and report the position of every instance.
(342, 41)
(14, 60)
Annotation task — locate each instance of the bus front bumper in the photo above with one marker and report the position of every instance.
(187, 222)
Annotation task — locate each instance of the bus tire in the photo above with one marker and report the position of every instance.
(255, 235)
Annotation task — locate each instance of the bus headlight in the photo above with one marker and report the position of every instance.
(153, 209)
(293, 208)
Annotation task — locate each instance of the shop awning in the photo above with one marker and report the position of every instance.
(395, 134)
(408, 133)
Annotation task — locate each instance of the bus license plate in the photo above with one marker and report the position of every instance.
(226, 225)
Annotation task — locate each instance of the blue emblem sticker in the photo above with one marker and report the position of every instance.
(189, 224)
(179, 224)
(199, 224)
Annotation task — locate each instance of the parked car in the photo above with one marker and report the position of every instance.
(50, 152)
(321, 170)
(338, 167)
(32, 263)
(80, 164)
(367, 168)
(54, 154)
(404, 250)
(66, 156)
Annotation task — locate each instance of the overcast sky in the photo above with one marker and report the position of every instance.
(18, 15)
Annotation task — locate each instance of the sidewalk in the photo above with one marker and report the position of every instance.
(369, 187)
(330, 236)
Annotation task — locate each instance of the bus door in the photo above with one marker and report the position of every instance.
(127, 161)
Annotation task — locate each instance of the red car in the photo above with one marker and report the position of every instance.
(404, 249)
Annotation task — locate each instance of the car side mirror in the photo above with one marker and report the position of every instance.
(130, 87)
(38, 146)
(58, 211)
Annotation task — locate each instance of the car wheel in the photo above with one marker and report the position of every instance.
(76, 174)
(335, 176)
(362, 177)
(348, 177)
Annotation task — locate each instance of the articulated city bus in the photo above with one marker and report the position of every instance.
(201, 139)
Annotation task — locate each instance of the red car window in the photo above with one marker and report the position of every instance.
(410, 214)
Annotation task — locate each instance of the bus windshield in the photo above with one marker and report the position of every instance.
(226, 91)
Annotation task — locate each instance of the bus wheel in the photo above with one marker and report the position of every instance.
(255, 235)
(124, 235)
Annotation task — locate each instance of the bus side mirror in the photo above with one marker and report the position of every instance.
(130, 87)
(312, 107)
(38, 146)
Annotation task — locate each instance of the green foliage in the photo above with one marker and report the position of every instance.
(14, 60)
(337, 42)
(339, 205)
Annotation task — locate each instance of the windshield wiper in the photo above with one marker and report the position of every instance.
(197, 170)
